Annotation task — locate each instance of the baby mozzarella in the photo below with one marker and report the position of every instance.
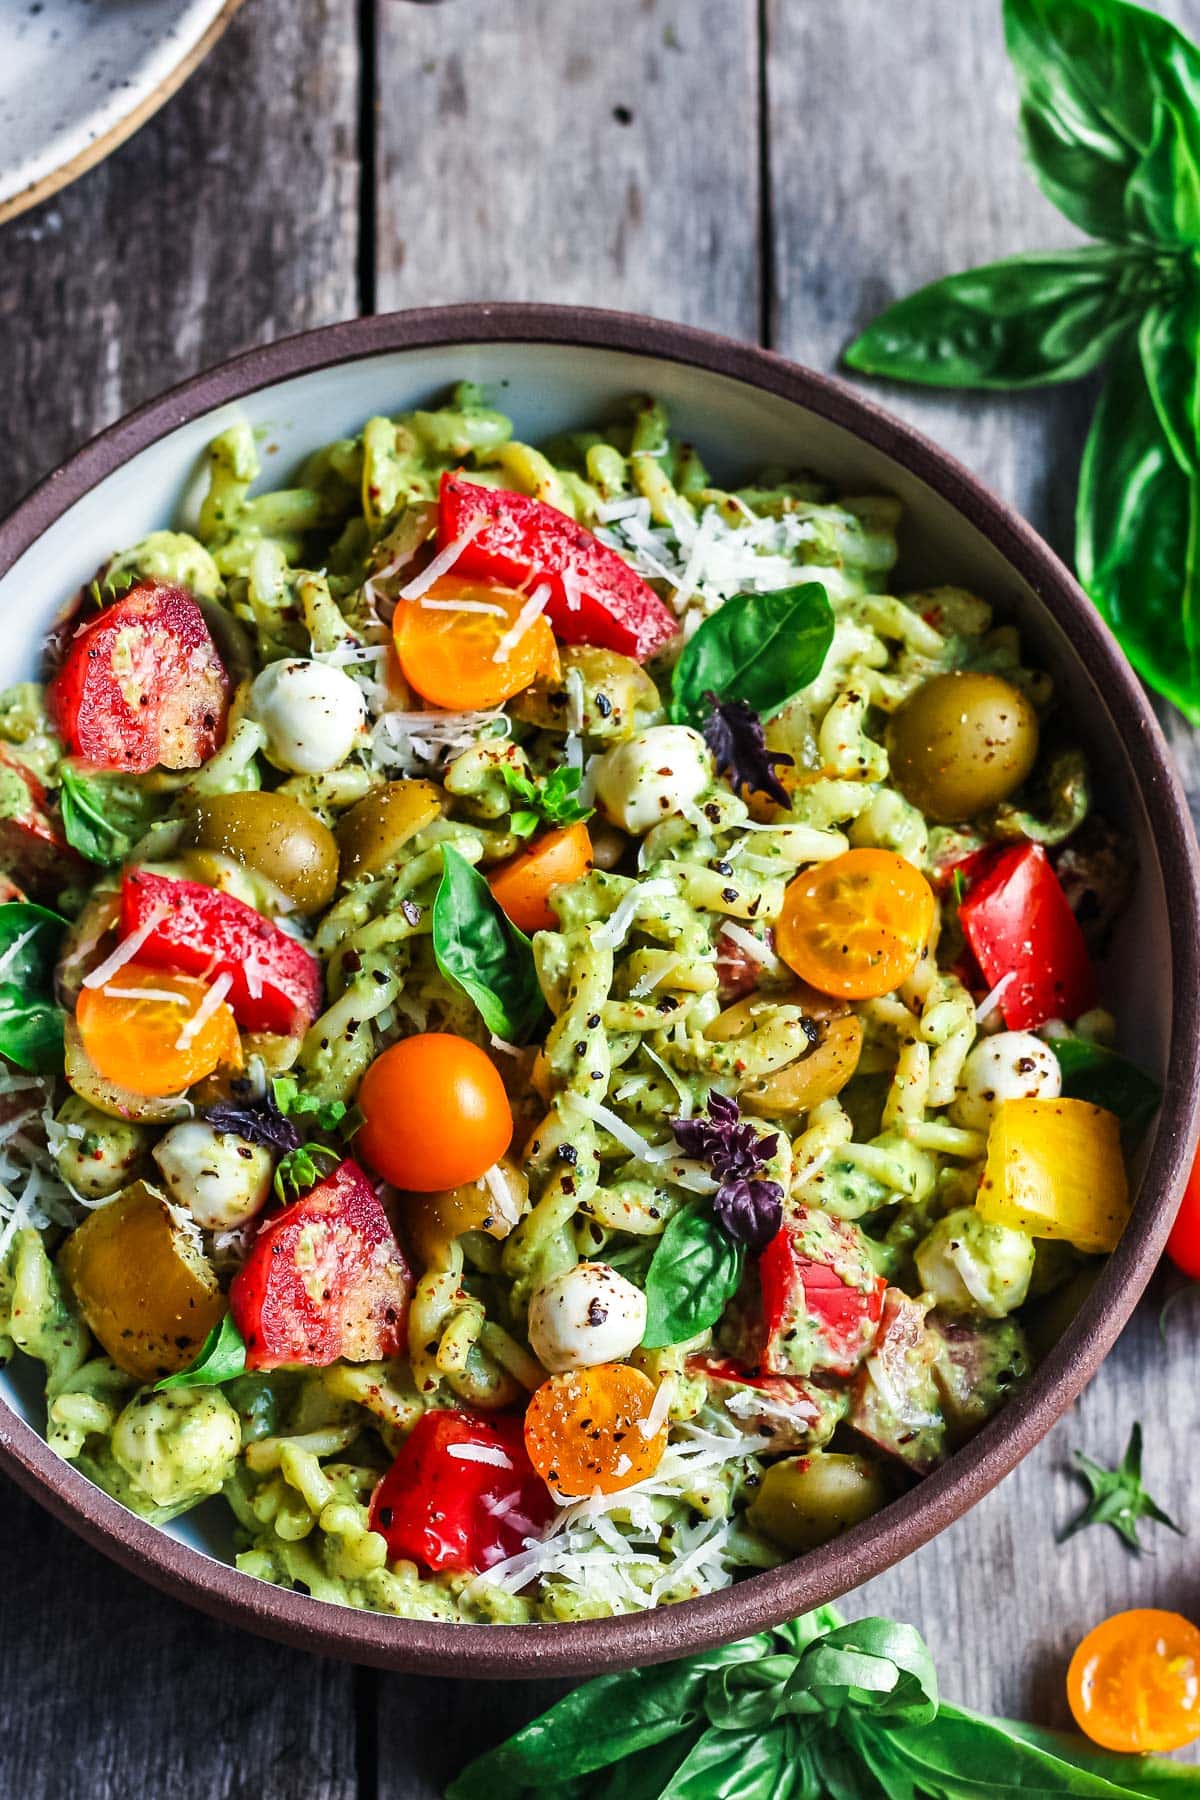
(586, 1315)
(312, 714)
(651, 775)
(1012, 1065)
(221, 1179)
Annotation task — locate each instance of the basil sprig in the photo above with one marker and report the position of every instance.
(479, 949)
(693, 1275)
(31, 1024)
(222, 1356)
(757, 648)
(1118, 1497)
(1110, 116)
(104, 815)
(812, 1709)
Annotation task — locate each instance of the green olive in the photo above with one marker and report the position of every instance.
(618, 697)
(275, 835)
(372, 834)
(807, 1500)
(961, 743)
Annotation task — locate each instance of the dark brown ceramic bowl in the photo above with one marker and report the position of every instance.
(561, 366)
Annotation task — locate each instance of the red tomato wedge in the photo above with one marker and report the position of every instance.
(1019, 924)
(1183, 1245)
(141, 685)
(276, 982)
(595, 597)
(324, 1280)
(822, 1299)
(33, 850)
(462, 1494)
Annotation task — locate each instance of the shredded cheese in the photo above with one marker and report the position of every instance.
(754, 947)
(626, 1136)
(533, 609)
(991, 1001)
(481, 1453)
(213, 999)
(440, 564)
(613, 931)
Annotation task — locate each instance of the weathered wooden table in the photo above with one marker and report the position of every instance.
(770, 168)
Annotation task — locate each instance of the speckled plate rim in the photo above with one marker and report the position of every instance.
(132, 121)
(514, 1652)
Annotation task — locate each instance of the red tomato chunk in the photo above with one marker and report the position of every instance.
(1020, 926)
(142, 686)
(595, 597)
(462, 1494)
(276, 981)
(33, 850)
(324, 1280)
(822, 1299)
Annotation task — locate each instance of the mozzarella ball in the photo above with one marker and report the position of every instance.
(586, 1315)
(312, 715)
(1012, 1065)
(221, 1179)
(97, 1154)
(656, 773)
(968, 1265)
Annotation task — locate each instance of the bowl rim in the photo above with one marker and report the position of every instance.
(588, 1647)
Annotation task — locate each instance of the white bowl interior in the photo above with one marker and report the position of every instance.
(548, 388)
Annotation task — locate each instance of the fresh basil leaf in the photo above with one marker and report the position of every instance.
(598, 1724)
(301, 1169)
(481, 950)
(736, 1765)
(31, 1024)
(294, 1103)
(104, 815)
(875, 1664)
(1018, 323)
(960, 1756)
(1100, 1076)
(1168, 341)
(1137, 535)
(1163, 198)
(693, 1275)
(1092, 74)
(760, 648)
(1153, 1777)
(222, 1356)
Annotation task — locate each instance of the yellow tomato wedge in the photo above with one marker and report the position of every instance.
(460, 647)
(155, 1032)
(1055, 1169)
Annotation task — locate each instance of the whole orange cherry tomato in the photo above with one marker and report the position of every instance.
(856, 926)
(1183, 1245)
(523, 885)
(583, 1430)
(1134, 1682)
(460, 657)
(435, 1113)
(135, 1031)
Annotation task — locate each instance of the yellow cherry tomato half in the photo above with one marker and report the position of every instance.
(136, 1031)
(523, 885)
(583, 1430)
(1134, 1682)
(435, 1113)
(856, 926)
(463, 656)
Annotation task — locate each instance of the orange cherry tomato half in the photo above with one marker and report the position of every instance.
(856, 926)
(1134, 1682)
(523, 886)
(435, 1113)
(134, 1031)
(583, 1430)
(1183, 1245)
(461, 657)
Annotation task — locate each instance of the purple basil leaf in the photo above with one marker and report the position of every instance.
(258, 1121)
(733, 732)
(730, 1146)
(749, 1212)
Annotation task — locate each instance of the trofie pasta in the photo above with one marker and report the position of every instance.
(554, 1033)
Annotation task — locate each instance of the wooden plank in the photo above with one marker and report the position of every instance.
(894, 159)
(601, 155)
(229, 220)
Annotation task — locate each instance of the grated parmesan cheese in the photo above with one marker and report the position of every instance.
(126, 950)
(480, 1453)
(754, 947)
(613, 931)
(990, 1002)
(626, 1136)
(438, 566)
(212, 1001)
(533, 609)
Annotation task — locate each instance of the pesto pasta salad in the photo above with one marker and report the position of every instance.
(553, 1050)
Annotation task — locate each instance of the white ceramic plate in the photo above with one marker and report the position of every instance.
(78, 76)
